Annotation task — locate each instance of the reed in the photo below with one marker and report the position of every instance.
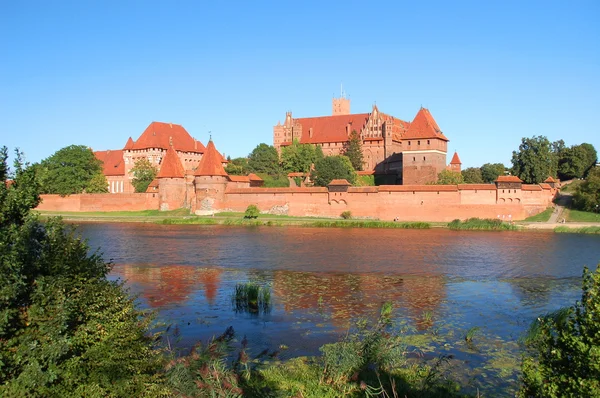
(252, 298)
(482, 224)
(581, 230)
(367, 224)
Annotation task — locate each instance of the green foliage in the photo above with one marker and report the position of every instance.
(264, 159)
(354, 151)
(565, 357)
(298, 158)
(365, 181)
(541, 217)
(587, 195)
(472, 175)
(346, 215)
(251, 212)
(143, 173)
(481, 224)
(98, 184)
(367, 224)
(582, 216)
(581, 230)
(491, 171)
(278, 181)
(449, 177)
(69, 170)
(536, 160)
(65, 330)
(250, 297)
(237, 167)
(332, 168)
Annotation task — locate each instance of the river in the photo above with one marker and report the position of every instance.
(442, 284)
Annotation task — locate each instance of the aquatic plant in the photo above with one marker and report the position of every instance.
(485, 224)
(251, 297)
(471, 333)
(367, 224)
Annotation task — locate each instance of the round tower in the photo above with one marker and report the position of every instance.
(210, 181)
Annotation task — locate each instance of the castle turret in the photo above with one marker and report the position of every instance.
(210, 179)
(171, 182)
(455, 163)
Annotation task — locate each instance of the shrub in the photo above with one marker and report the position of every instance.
(346, 215)
(565, 357)
(251, 212)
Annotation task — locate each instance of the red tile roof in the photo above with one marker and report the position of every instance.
(424, 126)
(160, 135)
(112, 162)
(296, 174)
(418, 188)
(365, 172)
(276, 190)
(254, 177)
(211, 163)
(330, 128)
(545, 186)
(171, 166)
(129, 144)
(531, 187)
(550, 179)
(455, 159)
(153, 186)
(239, 178)
(340, 182)
(467, 187)
(508, 179)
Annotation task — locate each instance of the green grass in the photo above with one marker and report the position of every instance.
(481, 225)
(582, 230)
(582, 216)
(572, 186)
(365, 181)
(541, 217)
(367, 224)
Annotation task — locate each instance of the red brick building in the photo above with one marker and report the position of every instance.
(399, 152)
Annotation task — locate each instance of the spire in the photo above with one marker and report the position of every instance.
(129, 143)
(210, 164)
(455, 159)
(171, 166)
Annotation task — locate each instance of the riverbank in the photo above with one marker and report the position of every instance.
(182, 217)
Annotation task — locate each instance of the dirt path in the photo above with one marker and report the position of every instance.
(564, 200)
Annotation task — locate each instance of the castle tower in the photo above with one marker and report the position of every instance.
(171, 182)
(210, 180)
(455, 164)
(340, 106)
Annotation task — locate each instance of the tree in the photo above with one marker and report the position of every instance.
(449, 177)
(472, 175)
(565, 361)
(98, 184)
(535, 161)
(354, 151)
(592, 157)
(237, 167)
(332, 168)
(251, 212)
(491, 171)
(572, 163)
(298, 158)
(143, 173)
(264, 159)
(65, 330)
(587, 195)
(69, 170)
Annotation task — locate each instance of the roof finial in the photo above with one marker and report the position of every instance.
(209, 135)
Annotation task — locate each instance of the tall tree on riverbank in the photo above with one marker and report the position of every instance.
(264, 159)
(491, 171)
(535, 161)
(143, 173)
(587, 195)
(332, 168)
(472, 175)
(65, 330)
(69, 170)
(354, 151)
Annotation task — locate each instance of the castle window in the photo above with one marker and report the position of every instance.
(428, 142)
(414, 159)
(418, 142)
(408, 143)
(423, 158)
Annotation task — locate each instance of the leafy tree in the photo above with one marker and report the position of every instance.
(65, 330)
(491, 171)
(319, 153)
(566, 357)
(332, 168)
(143, 173)
(592, 157)
(298, 158)
(69, 170)
(535, 160)
(354, 151)
(449, 177)
(237, 167)
(264, 159)
(587, 195)
(472, 175)
(98, 184)
(251, 212)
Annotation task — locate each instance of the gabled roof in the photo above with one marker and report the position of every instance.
(171, 166)
(340, 182)
(550, 179)
(424, 126)
(330, 128)
(112, 162)
(211, 163)
(508, 179)
(455, 159)
(254, 177)
(160, 135)
(129, 144)
(239, 178)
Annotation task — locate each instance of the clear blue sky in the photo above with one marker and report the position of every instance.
(96, 72)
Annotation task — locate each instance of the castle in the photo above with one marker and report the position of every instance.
(398, 152)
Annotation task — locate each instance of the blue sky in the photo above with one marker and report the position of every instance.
(491, 72)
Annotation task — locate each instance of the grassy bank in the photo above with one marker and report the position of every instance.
(302, 222)
(541, 217)
(581, 216)
(582, 230)
(482, 224)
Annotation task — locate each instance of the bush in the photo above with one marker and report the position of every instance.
(251, 212)
(346, 215)
(565, 357)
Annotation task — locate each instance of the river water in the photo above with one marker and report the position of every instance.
(442, 284)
